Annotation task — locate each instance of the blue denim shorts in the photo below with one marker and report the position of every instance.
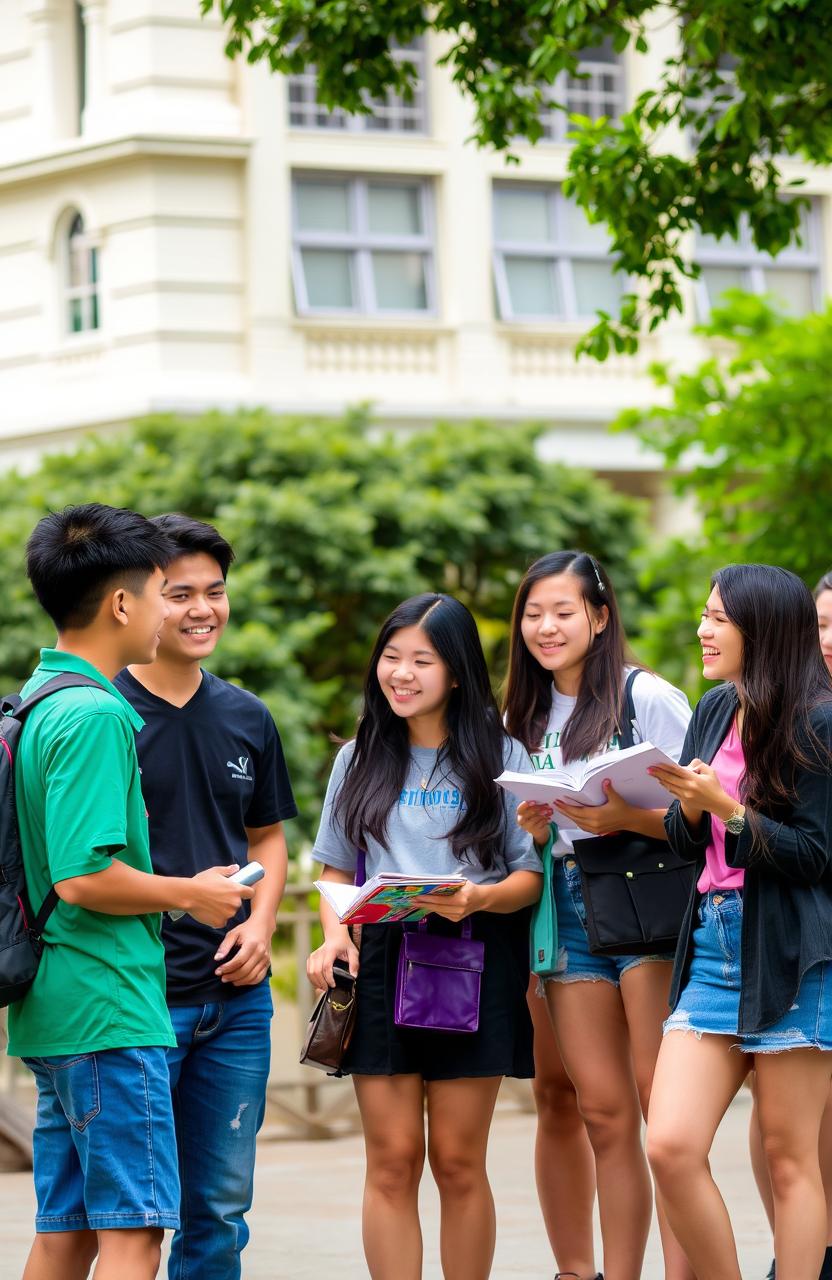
(710, 1000)
(576, 963)
(105, 1147)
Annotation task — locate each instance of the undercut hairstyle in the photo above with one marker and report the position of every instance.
(599, 710)
(472, 750)
(191, 537)
(825, 584)
(76, 556)
(783, 681)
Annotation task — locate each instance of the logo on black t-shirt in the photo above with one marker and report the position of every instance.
(240, 769)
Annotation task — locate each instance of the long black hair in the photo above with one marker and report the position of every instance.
(598, 712)
(472, 750)
(783, 679)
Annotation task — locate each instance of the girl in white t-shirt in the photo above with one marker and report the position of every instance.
(565, 700)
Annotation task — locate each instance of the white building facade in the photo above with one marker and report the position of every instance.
(181, 232)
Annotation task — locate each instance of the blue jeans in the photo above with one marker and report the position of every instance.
(218, 1074)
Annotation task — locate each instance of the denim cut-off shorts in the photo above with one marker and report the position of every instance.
(710, 1000)
(576, 963)
(105, 1145)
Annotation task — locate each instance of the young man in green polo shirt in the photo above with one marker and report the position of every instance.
(94, 1026)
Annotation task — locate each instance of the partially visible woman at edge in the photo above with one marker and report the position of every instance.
(753, 971)
(602, 1016)
(415, 789)
(823, 604)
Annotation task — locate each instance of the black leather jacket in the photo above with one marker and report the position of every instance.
(787, 891)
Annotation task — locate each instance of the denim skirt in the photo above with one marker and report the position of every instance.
(710, 1000)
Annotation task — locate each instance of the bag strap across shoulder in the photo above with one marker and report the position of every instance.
(19, 709)
(66, 680)
(625, 737)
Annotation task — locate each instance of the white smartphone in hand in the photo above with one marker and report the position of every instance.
(247, 875)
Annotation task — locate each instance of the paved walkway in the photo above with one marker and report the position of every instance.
(305, 1222)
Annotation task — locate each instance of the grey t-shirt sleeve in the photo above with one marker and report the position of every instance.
(662, 713)
(520, 853)
(332, 847)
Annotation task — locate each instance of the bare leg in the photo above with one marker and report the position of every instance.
(594, 1041)
(563, 1158)
(129, 1254)
(708, 1073)
(61, 1255)
(761, 1176)
(792, 1093)
(644, 990)
(826, 1163)
(459, 1118)
(392, 1117)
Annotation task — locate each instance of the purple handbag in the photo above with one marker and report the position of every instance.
(438, 980)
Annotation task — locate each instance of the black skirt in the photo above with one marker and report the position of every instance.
(502, 1046)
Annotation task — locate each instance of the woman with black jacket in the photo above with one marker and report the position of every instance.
(753, 969)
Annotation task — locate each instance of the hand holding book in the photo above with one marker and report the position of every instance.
(582, 784)
(386, 897)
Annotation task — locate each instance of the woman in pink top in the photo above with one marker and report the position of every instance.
(823, 604)
(753, 970)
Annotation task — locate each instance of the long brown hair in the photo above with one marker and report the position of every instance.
(598, 711)
(783, 679)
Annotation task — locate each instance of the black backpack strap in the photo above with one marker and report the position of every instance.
(20, 708)
(66, 680)
(48, 905)
(625, 737)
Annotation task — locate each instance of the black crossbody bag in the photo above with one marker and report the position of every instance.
(635, 888)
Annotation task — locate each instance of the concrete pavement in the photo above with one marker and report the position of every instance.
(306, 1217)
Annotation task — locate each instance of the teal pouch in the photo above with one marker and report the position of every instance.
(543, 936)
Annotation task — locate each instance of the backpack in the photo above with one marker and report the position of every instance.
(21, 930)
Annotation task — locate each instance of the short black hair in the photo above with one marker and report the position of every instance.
(74, 555)
(190, 537)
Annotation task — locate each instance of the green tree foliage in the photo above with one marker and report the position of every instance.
(333, 524)
(632, 174)
(748, 437)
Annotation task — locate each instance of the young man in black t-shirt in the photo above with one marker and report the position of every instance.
(217, 792)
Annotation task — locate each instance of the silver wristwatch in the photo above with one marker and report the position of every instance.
(736, 822)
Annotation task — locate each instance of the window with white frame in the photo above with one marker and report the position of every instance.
(82, 310)
(549, 262)
(362, 245)
(793, 277)
(391, 114)
(598, 90)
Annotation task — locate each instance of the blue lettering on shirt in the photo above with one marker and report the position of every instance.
(440, 797)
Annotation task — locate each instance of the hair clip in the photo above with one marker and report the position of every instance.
(594, 564)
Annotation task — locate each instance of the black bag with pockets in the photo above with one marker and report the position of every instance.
(21, 929)
(635, 888)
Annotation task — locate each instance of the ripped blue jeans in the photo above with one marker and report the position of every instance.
(218, 1074)
(710, 1000)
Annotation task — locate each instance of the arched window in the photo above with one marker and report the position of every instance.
(81, 285)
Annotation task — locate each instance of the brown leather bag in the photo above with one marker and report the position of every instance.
(331, 1024)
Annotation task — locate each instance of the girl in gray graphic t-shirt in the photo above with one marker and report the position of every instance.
(415, 790)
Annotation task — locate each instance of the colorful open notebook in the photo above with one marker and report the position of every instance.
(384, 898)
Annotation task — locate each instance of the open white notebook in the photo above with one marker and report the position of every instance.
(626, 770)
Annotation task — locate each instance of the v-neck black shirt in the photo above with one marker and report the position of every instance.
(209, 770)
